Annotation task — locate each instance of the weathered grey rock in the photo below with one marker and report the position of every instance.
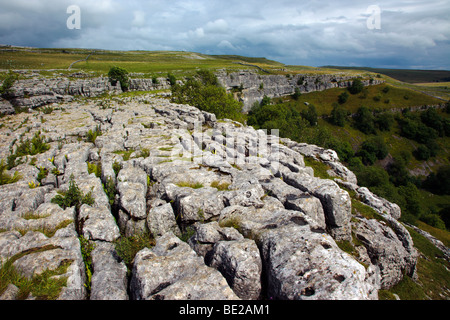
(11, 293)
(270, 197)
(132, 199)
(109, 280)
(34, 253)
(335, 201)
(200, 205)
(240, 263)
(172, 270)
(313, 266)
(208, 234)
(379, 204)
(255, 85)
(385, 250)
(161, 219)
(98, 224)
(309, 205)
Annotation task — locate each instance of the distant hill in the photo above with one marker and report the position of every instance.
(406, 75)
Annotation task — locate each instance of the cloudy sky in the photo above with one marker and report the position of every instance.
(405, 34)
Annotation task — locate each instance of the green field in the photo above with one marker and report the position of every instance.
(395, 98)
(406, 75)
(146, 62)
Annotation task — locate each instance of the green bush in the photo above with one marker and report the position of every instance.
(356, 87)
(384, 121)
(5, 178)
(338, 115)
(310, 115)
(343, 97)
(73, 197)
(203, 91)
(92, 135)
(172, 79)
(422, 153)
(439, 183)
(28, 147)
(8, 83)
(364, 120)
(119, 74)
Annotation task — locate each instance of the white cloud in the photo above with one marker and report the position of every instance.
(291, 31)
(225, 44)
(139, 19)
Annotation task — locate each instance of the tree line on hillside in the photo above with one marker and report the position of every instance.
(393, 181)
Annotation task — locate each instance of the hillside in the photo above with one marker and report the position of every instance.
(406, 75)
(101, 180)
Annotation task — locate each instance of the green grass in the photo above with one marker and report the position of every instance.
(151, 63)
(6, 178)
(323, 100)
(127, 247)
(220, 186)
(432, 270)
(406, 75)
(320, 168)
(189, 184)
(46, 286)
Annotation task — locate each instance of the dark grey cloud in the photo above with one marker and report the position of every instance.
(413, 34)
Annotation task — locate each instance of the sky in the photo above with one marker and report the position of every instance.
(385, 34)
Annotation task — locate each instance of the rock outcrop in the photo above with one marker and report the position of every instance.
(250, 85)
(253, 86)
(257, 223)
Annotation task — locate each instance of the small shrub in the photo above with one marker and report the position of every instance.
(5, 178)
(43, 173)
(172, 79)
(119, 74)
(47, 110)
(95, 168)
(356, 87)
(73, 197)
(116, 167)
(8, 83)
(343, 97)
(86, 250)
(127, 247)
(110, 189)
(92, 135)
(28, 147)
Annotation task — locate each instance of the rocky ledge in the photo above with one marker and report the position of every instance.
(255, 220)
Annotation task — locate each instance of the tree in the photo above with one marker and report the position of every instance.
(356, 87)
(172, 79)
(338, 115)
(422, 153)
(119, 74)
(296, 94)
(310, 115)
(203, 91)
(373, 176)
(398, 174)
(439, 183)
(411, 194)
(384, 121)
(432, 119)
(364, 120)
(343, 97)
